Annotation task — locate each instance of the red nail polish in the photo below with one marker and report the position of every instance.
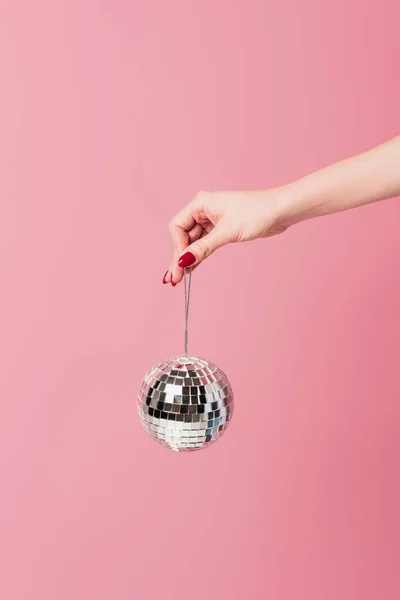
(186, 260)
(163, 279)
(172, 283)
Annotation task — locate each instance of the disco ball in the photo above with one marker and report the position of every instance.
(185, 403)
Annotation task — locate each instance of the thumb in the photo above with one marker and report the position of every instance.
(203, 247)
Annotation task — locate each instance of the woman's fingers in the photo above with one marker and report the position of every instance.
(191, 236)
(199, 250)
(195, 234)
(180, 226)
(202, 248)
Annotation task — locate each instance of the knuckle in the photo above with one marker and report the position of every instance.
(203, 194)
(200, 197)
(204, 249)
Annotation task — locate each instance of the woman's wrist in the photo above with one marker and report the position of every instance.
(292, 204)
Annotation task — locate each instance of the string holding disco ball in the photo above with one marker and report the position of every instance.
(185, 403)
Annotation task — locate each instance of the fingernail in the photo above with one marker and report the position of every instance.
(186, 260)
(163, 279)
(173, 283)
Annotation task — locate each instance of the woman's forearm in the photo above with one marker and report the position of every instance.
(362, 179)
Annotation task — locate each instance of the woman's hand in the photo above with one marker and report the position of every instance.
(214, 219)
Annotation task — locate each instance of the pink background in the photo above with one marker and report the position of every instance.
(112, 115)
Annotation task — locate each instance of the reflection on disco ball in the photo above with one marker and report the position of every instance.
(185, 403)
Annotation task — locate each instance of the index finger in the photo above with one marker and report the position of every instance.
(180, 226)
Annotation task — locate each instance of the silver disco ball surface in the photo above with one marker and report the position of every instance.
(185, 403)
